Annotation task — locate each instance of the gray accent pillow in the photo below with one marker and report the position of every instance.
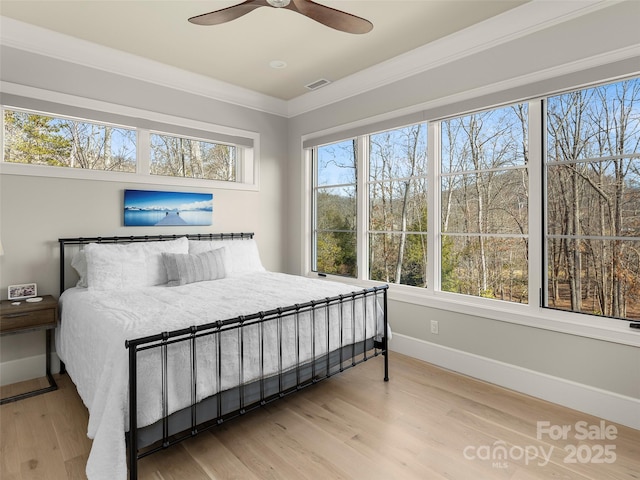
(190, 268)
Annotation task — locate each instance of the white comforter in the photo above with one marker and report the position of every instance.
(91, 341)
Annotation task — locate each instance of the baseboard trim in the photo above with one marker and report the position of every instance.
(27, 368)
(584, 398)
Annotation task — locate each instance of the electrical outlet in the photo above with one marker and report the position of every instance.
(434, 327)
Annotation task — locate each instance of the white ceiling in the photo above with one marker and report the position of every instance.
(239, 52)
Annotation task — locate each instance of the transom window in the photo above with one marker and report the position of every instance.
(187, 153)
(38, 139)
(187, 157)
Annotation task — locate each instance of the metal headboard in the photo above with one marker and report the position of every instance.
(80, 241)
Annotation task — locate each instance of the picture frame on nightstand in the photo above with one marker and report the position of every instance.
(20, 292)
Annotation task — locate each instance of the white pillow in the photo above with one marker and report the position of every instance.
(79, 264)
(123, 266)
(243, 254)
(183, 268)
(156, 271)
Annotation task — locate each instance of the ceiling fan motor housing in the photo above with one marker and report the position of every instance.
(278, 3)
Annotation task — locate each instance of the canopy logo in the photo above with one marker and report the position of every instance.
(584, 450)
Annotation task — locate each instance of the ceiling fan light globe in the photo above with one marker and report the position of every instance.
(278, 3)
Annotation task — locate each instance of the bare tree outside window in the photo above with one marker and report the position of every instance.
(398, 206)
(484, 204)
(593, 200)
(186, 157)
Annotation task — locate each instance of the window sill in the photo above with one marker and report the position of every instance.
(599, 328)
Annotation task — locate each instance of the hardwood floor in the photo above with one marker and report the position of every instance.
(426, 423)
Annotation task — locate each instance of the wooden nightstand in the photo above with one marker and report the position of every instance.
(28, 317)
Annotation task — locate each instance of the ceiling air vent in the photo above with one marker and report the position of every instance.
(318, 84)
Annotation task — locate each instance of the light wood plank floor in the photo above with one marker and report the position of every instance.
(426, 423)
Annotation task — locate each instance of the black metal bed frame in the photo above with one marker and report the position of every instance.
(198, 416)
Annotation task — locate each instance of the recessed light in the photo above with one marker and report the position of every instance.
(278, 64)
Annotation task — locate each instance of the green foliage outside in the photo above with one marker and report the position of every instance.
(35, 139)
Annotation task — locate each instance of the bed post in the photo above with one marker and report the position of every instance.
(133, 420)
(385, 338)
(61, 266)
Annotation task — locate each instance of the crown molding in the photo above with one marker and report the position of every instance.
(518, 22)
(37, 40)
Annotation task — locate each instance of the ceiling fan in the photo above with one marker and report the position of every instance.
(328, 16)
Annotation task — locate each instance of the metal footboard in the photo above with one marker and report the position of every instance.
(202, 416)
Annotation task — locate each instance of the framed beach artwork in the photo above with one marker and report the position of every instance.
(147, 208)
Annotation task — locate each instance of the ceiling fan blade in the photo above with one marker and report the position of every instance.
(343, 21)
(227, 14)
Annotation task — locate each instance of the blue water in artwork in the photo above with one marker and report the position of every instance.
(154, 217)
(147, 208)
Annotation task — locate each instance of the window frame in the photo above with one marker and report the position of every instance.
(533, 314)
(315, 188)
(238, 153)
(365, 199)
(38, 101)
(545, 165)
(526, 167)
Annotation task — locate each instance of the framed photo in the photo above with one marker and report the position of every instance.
(147, 208)
(26, 290)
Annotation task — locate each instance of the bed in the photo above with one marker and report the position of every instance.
(168, 336)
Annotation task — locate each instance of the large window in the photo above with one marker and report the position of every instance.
(535, 203)
(485, 204)
(398, 206)
(593, 200)
(335, 209)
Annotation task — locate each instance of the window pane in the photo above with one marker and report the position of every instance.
(485, 267)
(336, 208)
(336, 253)
(609, 280)
(491, 202)
(484, 196)
(603, 198)
(398, 258)
(336, 163)
(593, 200)
(595, 122)
(400, 153)
(185, 157)
(398, 205)
(43, 140)
(487, 140)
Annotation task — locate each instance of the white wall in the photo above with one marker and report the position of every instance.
(576, 370)
(36, 211)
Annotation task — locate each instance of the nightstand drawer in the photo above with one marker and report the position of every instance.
(26, 320)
